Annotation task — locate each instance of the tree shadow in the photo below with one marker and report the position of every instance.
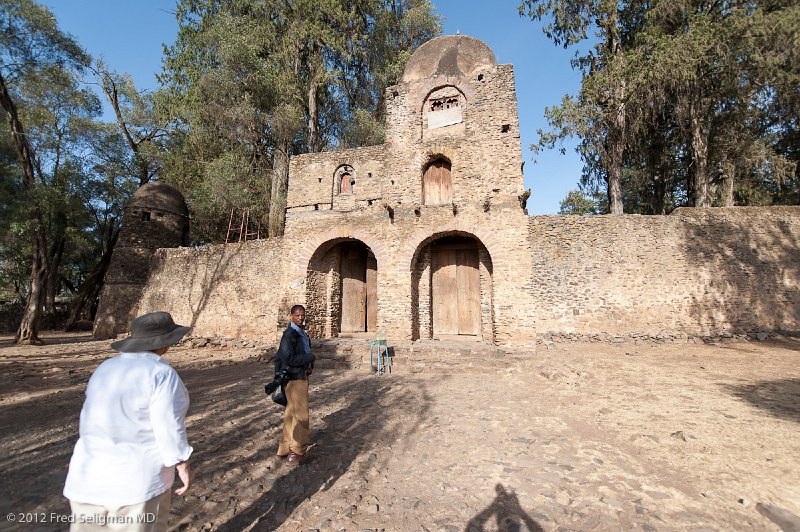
(780, 398)
(53, 337)
(358, 423)
(752, 267)
(232, 425)
(202, 274)
(792, 344)
(508, 514)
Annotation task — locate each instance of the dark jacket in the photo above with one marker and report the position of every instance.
(292, 356)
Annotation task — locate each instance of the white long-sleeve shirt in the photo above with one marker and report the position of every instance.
(132, 432)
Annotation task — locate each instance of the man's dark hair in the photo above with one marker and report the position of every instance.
(296, 308)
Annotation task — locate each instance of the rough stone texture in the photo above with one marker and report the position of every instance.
(224, 289)
(697, 273)
(313, 184)
(702, 272)
(455, 55)
(156, 217)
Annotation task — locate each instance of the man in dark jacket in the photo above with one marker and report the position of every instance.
(295, 356)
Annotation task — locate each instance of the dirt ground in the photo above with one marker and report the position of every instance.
(580, 437)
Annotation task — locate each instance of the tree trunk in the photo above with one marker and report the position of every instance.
(112, 94)
(615, 149)
(313, 133)
(614, 191)
(280, 181)
(615, 123)
(727, 171)
(313, 106)
(28, 331)
(56, 254)
(655, 169)
(699, 154)
(84, 304)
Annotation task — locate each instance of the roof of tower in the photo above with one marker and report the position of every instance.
(449, 55)
(159, 196)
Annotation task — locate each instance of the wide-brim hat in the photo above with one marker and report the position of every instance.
(150, 332)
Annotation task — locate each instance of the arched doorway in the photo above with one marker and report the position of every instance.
(342, 289)
(437, 187)
(452, 289)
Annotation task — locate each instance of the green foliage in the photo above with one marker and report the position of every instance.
(681, 103)
(137, 121)
(81, 171)
(31, 38)
(251, 82)
(576, 202)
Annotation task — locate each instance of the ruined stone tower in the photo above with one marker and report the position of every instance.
(156, 217)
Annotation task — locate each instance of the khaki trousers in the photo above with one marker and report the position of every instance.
(295, 419)
(148, 516)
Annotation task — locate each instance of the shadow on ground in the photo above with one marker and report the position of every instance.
(779, 398)
(232, 425)
(356, 423)
(507, 513)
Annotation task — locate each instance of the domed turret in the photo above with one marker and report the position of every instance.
(156, 217)
(449, 55)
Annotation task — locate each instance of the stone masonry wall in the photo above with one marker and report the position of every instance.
(230, 290)
(696, 272)
(155, 218)
(313, 187)
(485, 153)
(397, 242)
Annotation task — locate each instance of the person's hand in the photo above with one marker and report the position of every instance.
(186, 476)
(272, 386)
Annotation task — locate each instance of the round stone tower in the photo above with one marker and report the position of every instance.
(156, 217)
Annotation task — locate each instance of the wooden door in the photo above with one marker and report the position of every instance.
(345, 187)
(444, 292)
(469, 292)
(372, 293)
(354, 288)
(455, 291)
(436, 183)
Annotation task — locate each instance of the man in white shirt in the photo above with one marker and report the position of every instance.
(132, 435)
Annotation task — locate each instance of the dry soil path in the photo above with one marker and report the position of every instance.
(581, 437)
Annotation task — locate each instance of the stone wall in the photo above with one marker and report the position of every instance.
(156, 217)
(398, 242)
(485, 153)
(313, 185)
(696, 272)
(230, 290)
(452, 121)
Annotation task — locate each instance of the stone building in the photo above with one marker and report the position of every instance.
(156, 217)
(421, 236)
(426, 236)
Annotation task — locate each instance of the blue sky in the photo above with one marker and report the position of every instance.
(130, 35)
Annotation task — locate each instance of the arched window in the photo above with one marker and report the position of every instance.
(437, 188)
(344, 179)
(444, 107)
(345, 184)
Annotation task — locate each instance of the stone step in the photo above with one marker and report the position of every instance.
(425, 356)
